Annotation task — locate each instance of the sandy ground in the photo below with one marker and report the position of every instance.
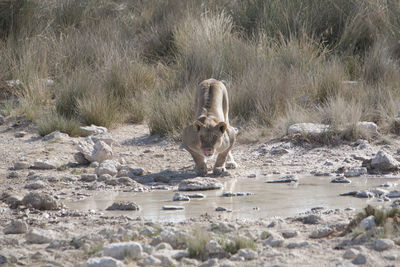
(76, 236)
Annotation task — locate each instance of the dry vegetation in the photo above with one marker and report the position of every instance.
(284, 61)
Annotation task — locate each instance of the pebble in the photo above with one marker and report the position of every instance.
(199, 183)
(359, 259)
(285, 179)
(238, 194)
(163, 245)
(289, 233)
(39, 236)
(297, 245)
(222, 209)
(393, 194)
(151, 261)
(88, 177)
(40, 201)
(36, 185)
(173, 208)
(382, 244)
(104, 262)
(44, 165)
(196, 195)
(15, 227)
(12, 175)
(355, 172)
(311, 219)
(340, 179)
(350, 253)
(20, 165)
(364, 194)
(368, 222)
(179, 197)
(247, 254)
(321, 232)
(123, 205)
(92, 129)
(122, 250)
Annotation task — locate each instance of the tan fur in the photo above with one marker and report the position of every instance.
(210, 133)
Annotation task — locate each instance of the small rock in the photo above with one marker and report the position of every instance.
(179, 197)
(88, 177)
(36, 236)
(173, 208)
(210, 263)
(56, 135)
(108, 167)
(213, 247)
(199, 183)
(125, 205)
(20, 165)
(125, 181)
(382, 244)
(104, 262)
(122, 250)
(285, 179)
(163, 245)
(355, 172)
(321, 232)
(340, 179)
(312, 129)
(368, 129)
(364, 194)
(12, 175)
(222, 209)
(80, 158)
(359, 259)
(274, 241)
(384, 162)
(351, 193)
(151, 261)
(20, 134)
(289, 233)
(311, 219)
(15, 227)
(98, 151)
(248, 254)
(393, 194)
(44, 165)
(92, 129)
(297, 245)
(36, 185)
(368, 222)
(350, 253)
(106, 138)
(198, 195)
(40, 201)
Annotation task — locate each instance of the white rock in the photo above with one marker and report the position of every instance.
(248, 254)
(274, 241)
(106, 138)
(36, 185)
(213, 246)
(382, 244)
(92, 129)
(169, 237)
(313, 129)
(98, 151)
(20, 134)
(354, 172)
(321, 232)
(393, 194)
(39, 201)
(151, 261)
(199, 183)
(163, 245)
(38, 236)
(15, 227)
(368, 222)
(55, 136)
(359, 259)
(384, 162)
(108, 167)
(165, 257)
(103, 262)
(121, 250)
(20, 165)
(368, 129)
(179, 197)
(44, 164)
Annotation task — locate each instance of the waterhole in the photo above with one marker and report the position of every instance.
(266, 199)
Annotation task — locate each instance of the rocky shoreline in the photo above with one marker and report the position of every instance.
(40, 174)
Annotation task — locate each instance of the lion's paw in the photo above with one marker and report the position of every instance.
(219, 171)
(231, 165)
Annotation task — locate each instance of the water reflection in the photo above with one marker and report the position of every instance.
(268, 199)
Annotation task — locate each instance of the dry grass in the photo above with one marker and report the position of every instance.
(284, 61)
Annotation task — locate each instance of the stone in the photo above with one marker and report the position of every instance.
(196, 195)
(20, 165)
(222, 209)
(88, 177)
(179, 197)
(368, 223)
(364, 194)
(169, 237)
(199, 183)
(123, 205)
(297, 245)
(172, 207)
(122, 250)
(384, 162)
(104, 262)
(189, 262)
(92, 129)
(55, 136)
(98, 151)
(340, 179)
(44, 165)
(151, 261)
(180, 254)
(359, 259)
(311, 219)
(382, 244)
(247, 254)
(350, 253)
(312, 129)
(355, 172)
(15, 227)
(163, 245)
(36, 185)
(367, 128)
(393, 194)
(289, 233)
(274, 241)
(12, 175)
(130, 171)
(213, 247)
(125, 181)
(80, 158)
(210, 263)
(39, 236)
(108, 167)
(237, 194)
(285, 179)
(106, 138)
(40, 201)
(321, 232)
(20, 134)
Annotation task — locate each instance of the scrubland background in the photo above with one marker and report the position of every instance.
(284, 61)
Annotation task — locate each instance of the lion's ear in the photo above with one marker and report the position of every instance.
(221, 127)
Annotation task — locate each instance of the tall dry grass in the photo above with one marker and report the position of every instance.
(283, 61)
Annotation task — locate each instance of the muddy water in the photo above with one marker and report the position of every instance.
(268, 200)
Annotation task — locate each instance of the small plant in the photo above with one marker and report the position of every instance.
(233, 245)
(265, 235)
(196, 243)
(95, 249)
(53, 122)
(76, 171)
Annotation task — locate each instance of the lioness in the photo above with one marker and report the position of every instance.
(210, 134)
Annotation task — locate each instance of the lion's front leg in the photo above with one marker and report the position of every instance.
(201, 166)
(219, 167)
